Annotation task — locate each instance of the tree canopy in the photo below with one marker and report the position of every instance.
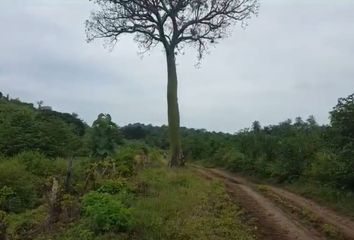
(105, 136)
(173, 23)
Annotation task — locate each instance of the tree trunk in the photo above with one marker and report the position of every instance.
(176, 158)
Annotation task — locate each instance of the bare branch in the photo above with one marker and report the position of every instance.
(174, 23)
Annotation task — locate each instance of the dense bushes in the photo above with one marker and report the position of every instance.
(23, 225)
(112, 186)
(32, 204)
(39, 165)
(25, 179)
(287, 152)
(23, 128)
(106, 213)
(17, 187)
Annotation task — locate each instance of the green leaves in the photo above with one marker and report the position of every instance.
(24, 128)
(106, 213)
(342, 117)
(105, 136)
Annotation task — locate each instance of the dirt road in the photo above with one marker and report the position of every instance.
(275, 213)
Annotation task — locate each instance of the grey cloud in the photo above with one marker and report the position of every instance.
(296, 58)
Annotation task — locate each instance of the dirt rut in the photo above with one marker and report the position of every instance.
(269, 219)
(344, 224)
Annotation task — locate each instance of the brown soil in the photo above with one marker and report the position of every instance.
(271, 220)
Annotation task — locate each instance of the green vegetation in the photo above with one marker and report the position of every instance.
(25, 128)
(106, 213)
(63, 180)
(105, 136)
(151, 202)
(176, 204)
(308, 158)
(173, 25)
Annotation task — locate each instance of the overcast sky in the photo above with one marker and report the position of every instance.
(295, 59)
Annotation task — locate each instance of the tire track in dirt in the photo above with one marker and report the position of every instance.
(269, 221)
(343, 224)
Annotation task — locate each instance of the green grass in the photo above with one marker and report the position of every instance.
(178, 204)
(168, 204)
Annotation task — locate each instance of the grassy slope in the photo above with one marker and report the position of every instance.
(172, 204)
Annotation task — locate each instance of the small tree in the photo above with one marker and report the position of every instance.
(256, 126)
(174, 24)
(342, 117)
(40, 104)
(105, 136)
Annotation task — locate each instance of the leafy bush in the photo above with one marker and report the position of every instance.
(332, 169)
(236, 160)
(70, 207)
(23, 224)
(156, 157)
(346, 176)
(40, 165)
(126, 158)
(77, 232)
(232, 159)
(6, 197)
(106, 213)
(324, 167)
(112, 186)
(18, 186)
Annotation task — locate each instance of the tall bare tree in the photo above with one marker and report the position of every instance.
(174, 24)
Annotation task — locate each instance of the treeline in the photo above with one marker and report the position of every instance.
(298, 150)
(24, 127)
(287, 152)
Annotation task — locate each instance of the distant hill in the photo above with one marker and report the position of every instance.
(24, 127)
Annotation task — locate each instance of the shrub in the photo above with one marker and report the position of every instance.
(292, 157)
(106, 213)
(124, 158)
(235, 161)
(156, 157)
(39, 165)
(23, 224)
(7, 194)
(112, 186)
(333, 169)
(70, 207)
(119, 188)
(18, 187)
(79, 231)
(323, 167)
